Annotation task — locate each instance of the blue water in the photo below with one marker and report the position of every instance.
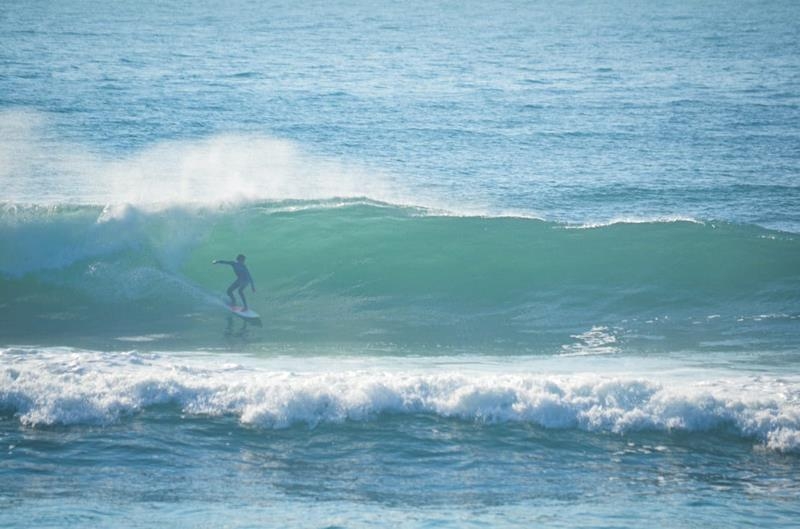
(518, 264)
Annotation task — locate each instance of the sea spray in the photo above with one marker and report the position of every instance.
(228, 168)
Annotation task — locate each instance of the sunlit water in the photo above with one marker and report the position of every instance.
(518, 264)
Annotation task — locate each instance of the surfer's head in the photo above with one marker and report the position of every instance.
(240, 258)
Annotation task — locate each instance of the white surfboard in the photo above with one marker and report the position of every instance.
(248, 314)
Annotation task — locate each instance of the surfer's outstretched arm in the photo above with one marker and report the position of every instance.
(218, 261)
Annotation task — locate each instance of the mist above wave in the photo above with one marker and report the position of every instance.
(38, 168)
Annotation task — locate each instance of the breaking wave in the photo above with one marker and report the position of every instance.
(77, 387)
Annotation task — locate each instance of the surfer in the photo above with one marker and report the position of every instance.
(243, 278)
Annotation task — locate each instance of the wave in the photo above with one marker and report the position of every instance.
(354, 269)
(78, 387)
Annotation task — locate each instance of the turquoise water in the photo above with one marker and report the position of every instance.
(517, 264)
(368, 274)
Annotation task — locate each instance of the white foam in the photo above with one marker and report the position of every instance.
(597, 340)
(144, 338)
(45, 387)
(657, 219)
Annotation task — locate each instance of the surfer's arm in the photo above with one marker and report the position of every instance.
(217, 261)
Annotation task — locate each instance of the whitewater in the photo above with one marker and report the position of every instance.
(517, 264)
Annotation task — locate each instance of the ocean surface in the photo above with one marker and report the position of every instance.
(518, 264)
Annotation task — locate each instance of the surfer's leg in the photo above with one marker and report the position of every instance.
(230, 291)
(241, 295)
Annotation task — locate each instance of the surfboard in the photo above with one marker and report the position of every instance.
(248, 314)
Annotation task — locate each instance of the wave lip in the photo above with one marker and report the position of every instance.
(43, 388)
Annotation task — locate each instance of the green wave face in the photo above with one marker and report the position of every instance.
(363, 273)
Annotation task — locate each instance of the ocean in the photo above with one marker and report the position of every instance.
(518, 264)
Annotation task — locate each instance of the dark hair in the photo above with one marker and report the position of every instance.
(240, 257)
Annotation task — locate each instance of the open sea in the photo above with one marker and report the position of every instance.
(518, 264)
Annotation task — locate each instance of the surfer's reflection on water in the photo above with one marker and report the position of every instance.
(244, 330)
(231, 331)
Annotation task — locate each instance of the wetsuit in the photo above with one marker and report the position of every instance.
(243, 278)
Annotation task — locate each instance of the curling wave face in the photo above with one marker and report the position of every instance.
(353, 270)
